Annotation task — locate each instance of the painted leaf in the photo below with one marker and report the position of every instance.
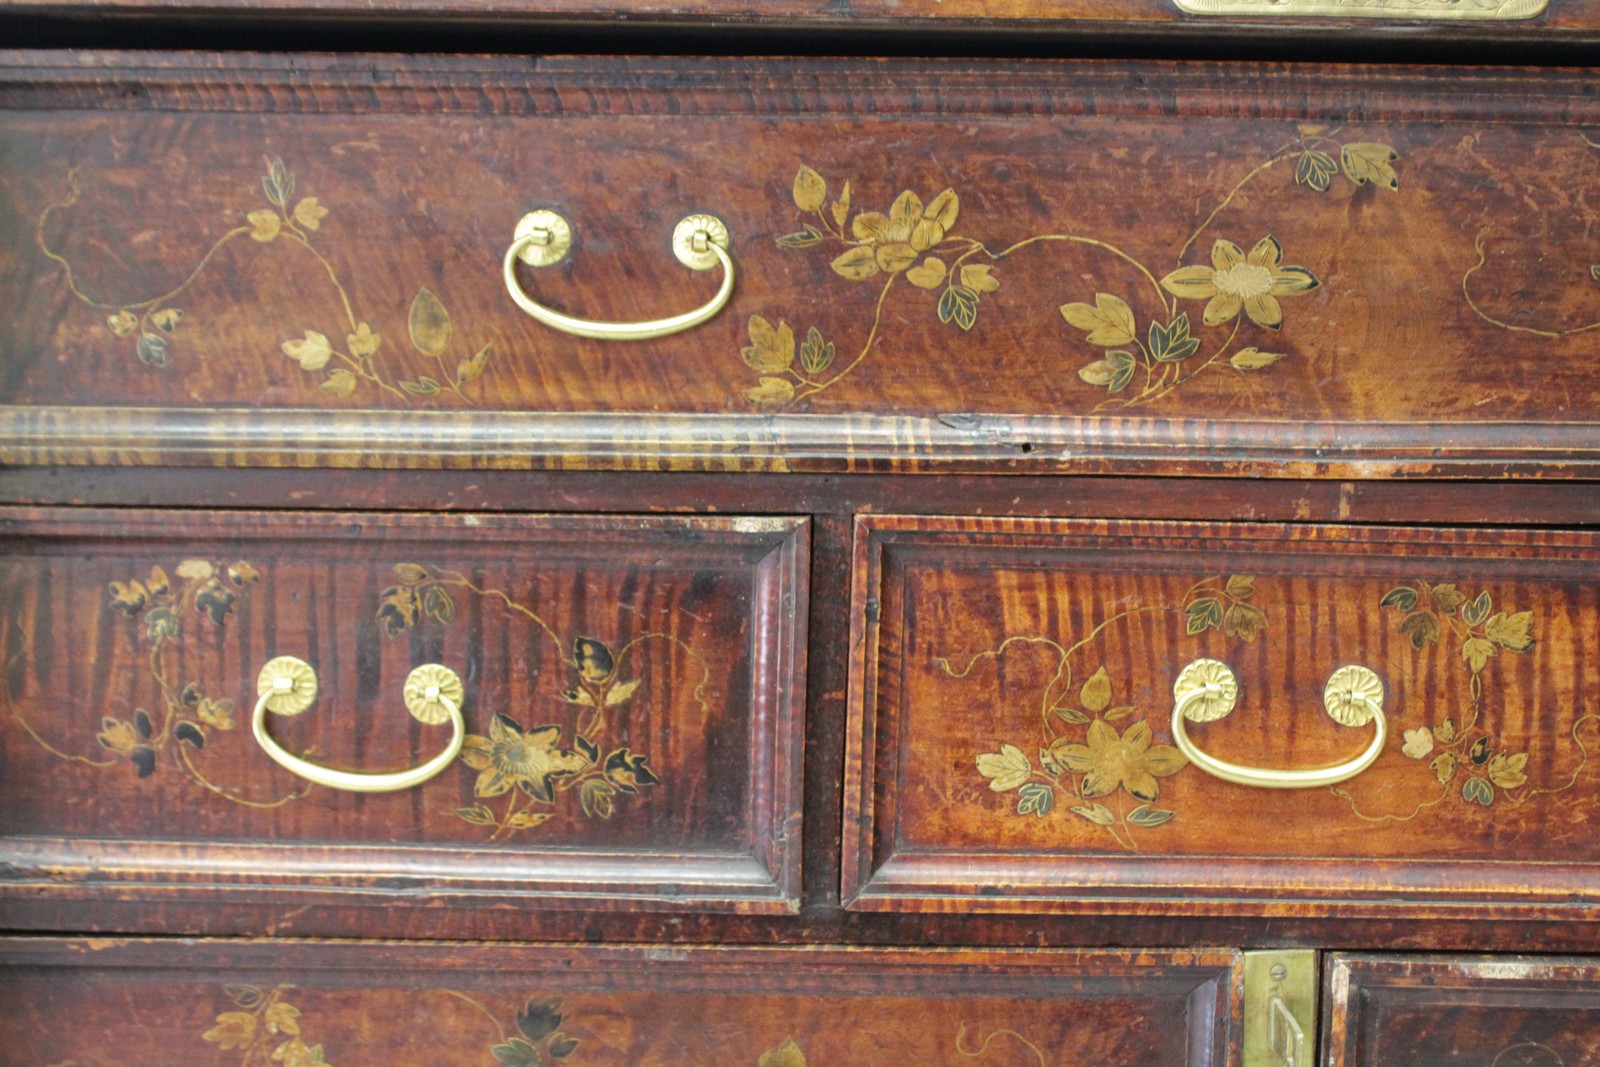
(1365, 163)
(1477, 791)
(959, 305)
(524, 820)
(1447, 598)
(621, 692)
(363, 343)
(1047, 760)
(478, 815)
(538, 1019)
(1096, 692)
(1480, 751)
(772, 392)
(1202, 614)
(197, 570)
(841, 207)
(167, 318)
(429, 324)
(810, 190)
(234, 1029)
(771, 348)
(1145, 815)
(1118, 714)
(1419, 743)
(943, 210)
(978, 278)
(152, 349)
(1006, 769)
(1108, 322)
(1035, 798)
(312, 351)
(1443, 768)
(516, 1053)
(561, 1046)
(1072, 715)
(122, 323)
(857, 264)
(787, 1054)
(279, 183)
(1510, 632)
(309, 213)
(469, 369)
(246, 996)
(1244, 621)
(1476, 651)
(816, 355)
(1422, 627)
(927, 275)
(1315, 170)
(1171, 343)
(1402, 598)
(1248, 359)
(439, 604)
(1445, 731)
(1098, 814)
(340, 383)
(1477, 610)
(423, 386)
(803, 239)
(283, 1018)
(1506, 771)
(1240, 586)
(597, 798)
(265, 224)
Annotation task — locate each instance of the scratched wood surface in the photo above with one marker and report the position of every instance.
(1011, 748)
(633, 698)
(529, 1004)
(1188, 263)
(1461, 1011)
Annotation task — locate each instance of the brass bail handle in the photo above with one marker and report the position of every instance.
(1206, 690)
(288, 686)
(543, 238)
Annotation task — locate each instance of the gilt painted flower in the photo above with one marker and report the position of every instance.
(1110, 762)
(1237, 282)
(529, 760)
(891, 243)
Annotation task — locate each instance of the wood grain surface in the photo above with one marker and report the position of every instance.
(634, 694)
(1461, 1011)
(1091, 265)
(528, 1004)
(1010, 746)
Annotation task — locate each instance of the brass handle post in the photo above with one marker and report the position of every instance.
(542, 238)
(288, 686)
(1206, 690)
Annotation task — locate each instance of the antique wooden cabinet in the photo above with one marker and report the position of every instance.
(618, 559)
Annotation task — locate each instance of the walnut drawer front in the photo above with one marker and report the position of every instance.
(1011, 744)
(274, 261)
(632, 689)
(525, 1005)
(1455, 1011)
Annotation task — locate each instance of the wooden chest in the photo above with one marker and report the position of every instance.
(801, 560)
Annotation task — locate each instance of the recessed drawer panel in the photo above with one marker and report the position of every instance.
(630, 693)
(1414, 717)
(269, 261)
(1461, 1011)
(526, 1005)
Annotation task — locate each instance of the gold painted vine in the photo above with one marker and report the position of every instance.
(1547, 331)
(265, 1027)
(153, 323)
(1140, 362)
(530, 767)
(1085, 758)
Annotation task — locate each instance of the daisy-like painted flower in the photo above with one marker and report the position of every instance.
(1237, 282)
(1109, 762)
(529, 760)
(891, 243)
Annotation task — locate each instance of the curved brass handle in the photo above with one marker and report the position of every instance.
(288, 686)
(542, 238)
(1206, 691)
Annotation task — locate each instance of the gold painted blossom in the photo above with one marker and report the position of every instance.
(1235, 281)
(891, 243)
(1110, 761)
(528, 760)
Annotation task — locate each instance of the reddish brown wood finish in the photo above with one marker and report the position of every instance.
(388, 1002)
(130, 770)
(1387, 367)
(1461, 1011)
(970, 633)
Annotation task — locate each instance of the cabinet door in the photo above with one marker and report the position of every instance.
(355, 1004)
(1461, 1011)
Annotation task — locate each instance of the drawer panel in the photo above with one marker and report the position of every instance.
(525, 1005)
(1461, 1011)
(1011, 744)
(268, 261)
(632, 690)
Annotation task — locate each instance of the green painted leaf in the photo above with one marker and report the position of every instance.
(1098, 814)
(1477, 791)
(1171, 343)
(1145, 815)
(806, 238)
(1037, 798)
(959, 305)
(1202, 614)
(152, 349)
(1315, 170)
(1077, 718)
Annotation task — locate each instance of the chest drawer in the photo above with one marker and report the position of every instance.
(1015, 742)
(630, 693)
(1456, 1011)
(264, 261)
(525, 1005)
